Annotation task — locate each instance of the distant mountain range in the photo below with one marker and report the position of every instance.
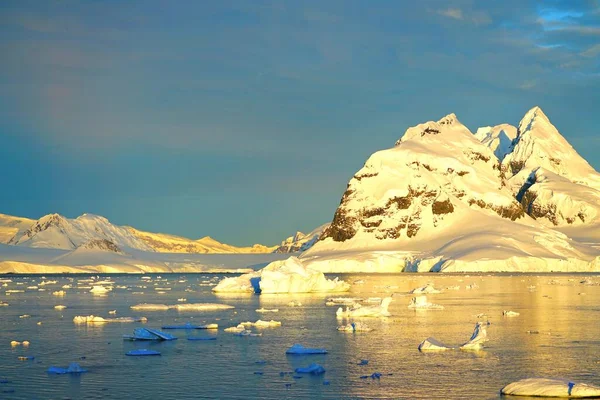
(444, 199)
(54, 231)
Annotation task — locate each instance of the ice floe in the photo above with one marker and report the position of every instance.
(189, 325)
(60, 307)
(355, 327)
(266, 310)
(181, 307)
(284, 276)
(476, 341)
(544, 387)
(149, 334)
(299, 349)
(427, 289)
(510, 313)
(99, 289)
(262, 324)
(358, 310)
(314, 369)
(73, 368)
(421, 303)
(93, 319)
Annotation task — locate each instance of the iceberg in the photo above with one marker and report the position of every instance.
(544, 387)
(236, 329)
(149, 334)
(181, 307)
(432, 344)
(266, 310)
(142, 352)
(421, 303)
(92, 319)
(429, 289)
(366, 311)
(510, 313)
(476, 341)
(262, 324)
(299, 349)
(284, 276)
(73, 368)
(188, 325)
(355, 327)
(99, 289)
(314, 369)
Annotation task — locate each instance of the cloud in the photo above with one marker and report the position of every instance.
(527, 85)
(455, 13)
(592, 51)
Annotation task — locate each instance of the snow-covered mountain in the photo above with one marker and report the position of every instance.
(442, 199)
(301, 242)
(54, 231)
(175, 244)
(11, 226)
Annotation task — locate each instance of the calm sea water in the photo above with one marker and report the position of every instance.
(564, 312)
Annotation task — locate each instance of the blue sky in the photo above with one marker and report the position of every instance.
(244, 120)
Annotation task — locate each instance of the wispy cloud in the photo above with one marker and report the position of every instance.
(593, 51)
(474, 17)
(455, 13)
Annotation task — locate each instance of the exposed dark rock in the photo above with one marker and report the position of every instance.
(429, 131)
(367, 175)
(442, 207)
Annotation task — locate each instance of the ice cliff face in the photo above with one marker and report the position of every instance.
(436, 171)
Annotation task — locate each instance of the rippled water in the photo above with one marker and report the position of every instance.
(567, 345)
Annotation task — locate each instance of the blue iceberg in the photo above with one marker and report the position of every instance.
(142, 352)
(73, 368)
(149, 334)
(299, 349)
(314, 369)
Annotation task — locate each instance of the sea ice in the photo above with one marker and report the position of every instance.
(262, 324)
(510, 313)
(73, 368)
(284, 276)
(92, 319)
(149, 334)
(299, 349)
(355, 327)
(427, 289)
(366, 311)
(421, 303)
(432, 344)
(314, 369)
(60, 307)
(266, 310)
(99, 289)
(182, 307)
(476, 341)
(544, 387)
(236, 329)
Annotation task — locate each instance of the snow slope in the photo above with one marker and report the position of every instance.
(441, 200)
(11, 226)
(301, 242)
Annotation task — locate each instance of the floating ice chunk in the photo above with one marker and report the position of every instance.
(421, 303)
(478, 338)
(314, 369)
(60, 293)
(453, 287)
(266, 310)
(429, 289)
(181, 300)
(182, 307)
(99, 289)
(294, 304)
(366, 311)
(299, 349)
(73, 368)
(112, 312)
(283, 276)
(355, 327)
(14, 343)
(149, 334)
(3, 304)
(188, 325)
(544, 387)
(150, 307)
(142, 352)
(510, 313)
(432, 344)
(26, 358)
(342, 300)
(262, 324)
(92, 319)
(236, 329)
(247, 333)
(24, 316)
(60, 307)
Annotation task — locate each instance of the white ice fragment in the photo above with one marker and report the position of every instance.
(283, 276)
(544, 387)
(478, 338)
(429, 289)
(510, 313)
(99, 289)
(262, 324)
(182, 307)
(432, 344)
(236, 329)
(366, 311)
(355, 327)
(92, 319)
(59, 293)
(294, 304)
(112, 312)
(421, 303)
(60, 307)
(266, 310)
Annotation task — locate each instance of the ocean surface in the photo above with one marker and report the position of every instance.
(557, 334)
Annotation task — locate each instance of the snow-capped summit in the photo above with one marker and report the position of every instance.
(58, 232)
(445, 199)
(301, 242)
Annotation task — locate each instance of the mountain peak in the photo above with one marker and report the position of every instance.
(531, 117)
(449, 119)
